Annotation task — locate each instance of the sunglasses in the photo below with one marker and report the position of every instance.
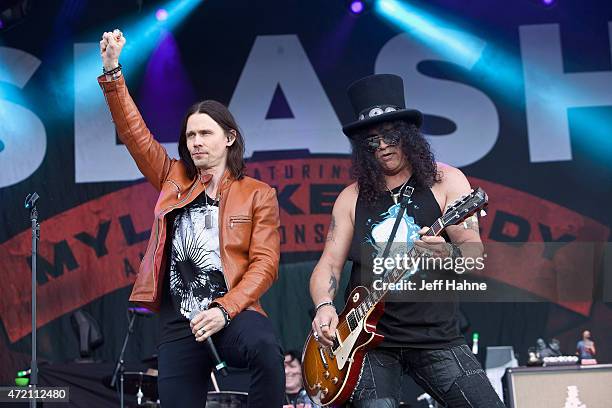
(373, 143)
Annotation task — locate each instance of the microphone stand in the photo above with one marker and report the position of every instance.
(30, 203)
(119, 366)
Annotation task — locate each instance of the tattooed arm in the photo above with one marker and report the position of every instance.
(326, 275)
(466, 236)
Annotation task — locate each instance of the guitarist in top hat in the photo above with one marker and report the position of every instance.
(392, 159)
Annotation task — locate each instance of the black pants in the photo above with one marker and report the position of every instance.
(249, 341)
(452, 376)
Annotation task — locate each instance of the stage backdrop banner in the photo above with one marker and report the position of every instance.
(523, 106)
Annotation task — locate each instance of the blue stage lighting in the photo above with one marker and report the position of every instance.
(429, 29)
(143, 34)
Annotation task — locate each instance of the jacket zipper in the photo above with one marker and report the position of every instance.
(178, 189)
(158, 218)
(239, 219)
(220, 222)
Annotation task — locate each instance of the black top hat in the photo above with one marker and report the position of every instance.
(379, 98)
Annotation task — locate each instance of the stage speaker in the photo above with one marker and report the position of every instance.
(559, 387)
(499, 358)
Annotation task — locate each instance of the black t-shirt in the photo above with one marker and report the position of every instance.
(405, 322)
(194, 273)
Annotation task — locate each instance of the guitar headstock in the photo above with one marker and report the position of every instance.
(465, 207)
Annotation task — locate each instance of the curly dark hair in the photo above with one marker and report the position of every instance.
(367, 171)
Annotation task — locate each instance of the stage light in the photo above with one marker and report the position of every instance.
(544, 3)
(161, 14)
(549, 3)
(356, 7)
(143, 33)
(485, 60)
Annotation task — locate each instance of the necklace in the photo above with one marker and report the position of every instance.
(396, 196)
(207, 212)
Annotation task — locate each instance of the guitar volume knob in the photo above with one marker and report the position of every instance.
(326, 375)
(334, 380)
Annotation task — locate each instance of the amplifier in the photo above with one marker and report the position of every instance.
(559, 387)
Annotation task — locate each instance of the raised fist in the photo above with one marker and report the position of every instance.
(110, 48)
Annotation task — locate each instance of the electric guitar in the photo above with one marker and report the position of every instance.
(330, 374)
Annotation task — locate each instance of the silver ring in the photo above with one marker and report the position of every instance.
(322, 325)
(201, 331)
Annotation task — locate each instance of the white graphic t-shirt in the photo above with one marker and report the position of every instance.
(194, 274)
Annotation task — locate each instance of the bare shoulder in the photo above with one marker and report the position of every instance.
(347, 197)
(345, 203)
(452, 180)
(450, 175)
(349, 193)
(452, 185)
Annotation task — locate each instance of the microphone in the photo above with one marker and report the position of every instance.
(30, 200)
(220, 365)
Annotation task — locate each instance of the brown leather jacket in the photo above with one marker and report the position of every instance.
(249, 240)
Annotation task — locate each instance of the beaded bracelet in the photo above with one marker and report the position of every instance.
(112, 71)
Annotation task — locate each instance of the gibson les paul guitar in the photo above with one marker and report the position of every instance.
(330, 374)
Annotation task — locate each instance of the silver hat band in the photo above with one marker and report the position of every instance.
(377, 110)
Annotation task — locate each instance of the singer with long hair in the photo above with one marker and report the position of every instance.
(213, 252)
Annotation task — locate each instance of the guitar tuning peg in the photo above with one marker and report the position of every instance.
(483, 213)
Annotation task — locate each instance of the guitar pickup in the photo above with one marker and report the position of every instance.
(323, 359)
(336, 344)
(334, 347)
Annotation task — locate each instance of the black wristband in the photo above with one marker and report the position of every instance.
(226, 315)
(326, 303)
(112, 71)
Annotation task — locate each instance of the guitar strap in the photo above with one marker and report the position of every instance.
(405, 193)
